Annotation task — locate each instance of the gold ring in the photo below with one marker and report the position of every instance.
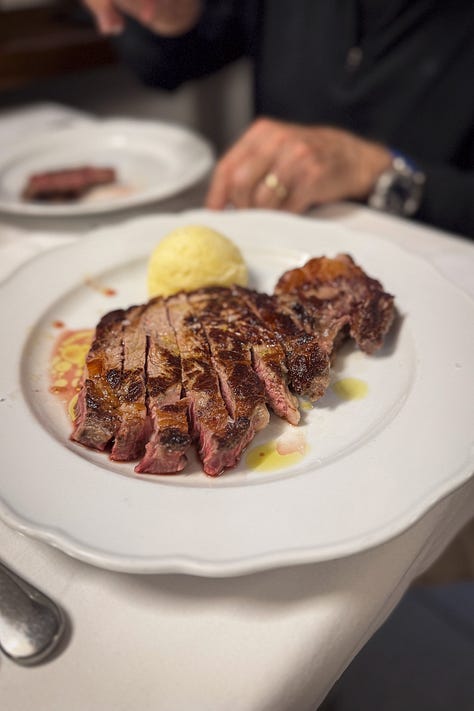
(272, 182)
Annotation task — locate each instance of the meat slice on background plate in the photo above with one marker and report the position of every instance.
(67, 184)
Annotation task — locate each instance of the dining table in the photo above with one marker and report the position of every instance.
(274, 638)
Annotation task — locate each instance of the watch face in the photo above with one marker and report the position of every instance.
(400, 195)
(398, 191)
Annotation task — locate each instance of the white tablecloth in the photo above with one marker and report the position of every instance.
(274, 640)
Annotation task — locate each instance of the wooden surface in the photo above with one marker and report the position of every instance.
(48, 41)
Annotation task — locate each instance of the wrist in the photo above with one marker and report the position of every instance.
(373, 162)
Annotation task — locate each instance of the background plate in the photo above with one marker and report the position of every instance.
(153, 161)
(373, 466)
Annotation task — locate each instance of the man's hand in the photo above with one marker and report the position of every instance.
(166, 17)
(290, 167)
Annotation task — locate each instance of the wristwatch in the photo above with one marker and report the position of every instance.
(399, 189)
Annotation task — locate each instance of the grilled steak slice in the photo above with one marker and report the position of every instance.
(270, 365)
(220, 439)
(211, 360)
(223, 320)
(267, 356)
(329, 328)
(336, 292)
(307, 363)
(268, 359)
(65, 185)
(133, 431)
(96, 410)
(165, 450)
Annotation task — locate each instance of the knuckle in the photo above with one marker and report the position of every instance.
(301, 150)
(241, 177)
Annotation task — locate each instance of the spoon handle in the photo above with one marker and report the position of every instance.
(31, 625)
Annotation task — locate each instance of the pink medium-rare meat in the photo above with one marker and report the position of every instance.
(168, 410)
(307, 363)
(205, 365)
(268, 356)
(67, 184)
(238, 335)
(242, 390)
(220, 439)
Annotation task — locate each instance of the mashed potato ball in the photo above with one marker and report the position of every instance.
(192, 257)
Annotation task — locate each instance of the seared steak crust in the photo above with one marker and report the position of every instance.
(133, 431)
(337, 292)
(170, 438)
(217, 435)
(306, 362)
(203, 366)
(96, 410)
(268, 356)
(223, 318)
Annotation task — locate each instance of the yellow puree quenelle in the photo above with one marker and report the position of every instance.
(192, 257)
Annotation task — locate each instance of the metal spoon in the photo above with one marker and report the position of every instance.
(31, 625)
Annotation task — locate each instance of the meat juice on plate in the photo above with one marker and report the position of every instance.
(67, 363)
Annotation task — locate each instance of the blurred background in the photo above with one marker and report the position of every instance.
(50, 51)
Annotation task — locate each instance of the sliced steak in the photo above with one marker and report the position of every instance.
(204, 365)
(170, 438)
(222, 316)
(65, 185)
(133, 431)
(338, 292)
(96, 410)
(330, 329)
(269, 362)
(307, 363)
(266, 354)
(219, 437)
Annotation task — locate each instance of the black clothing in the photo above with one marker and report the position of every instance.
(400, 72)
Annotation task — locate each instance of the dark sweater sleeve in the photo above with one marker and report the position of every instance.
(220, 37)
(448, 199)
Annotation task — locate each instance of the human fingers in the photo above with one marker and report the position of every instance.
(290, 183)
(243, 167)
(271, 192)
(108, 19)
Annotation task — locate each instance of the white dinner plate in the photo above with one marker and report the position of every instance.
(372, 466)
(153, 161)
